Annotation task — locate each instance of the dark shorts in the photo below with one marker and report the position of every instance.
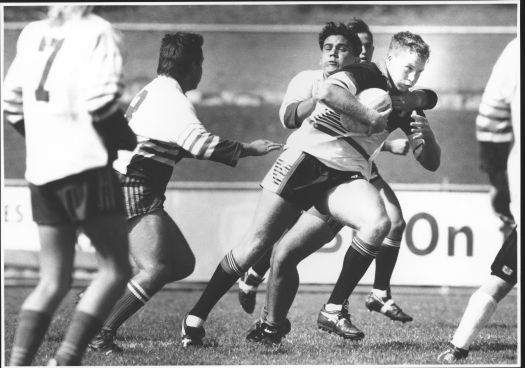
(139, 196)
(302, 179)
(77, 198)
(504, 265)
(493, 156)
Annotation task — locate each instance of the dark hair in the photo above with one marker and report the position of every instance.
(178, 52)
(358, 25)
(411, 41)
(341, 29)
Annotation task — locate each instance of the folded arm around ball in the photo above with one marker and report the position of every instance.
(344, 102)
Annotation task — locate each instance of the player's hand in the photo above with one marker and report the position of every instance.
(259, 147)
(421, 128)
(379, 122)
(397, 146)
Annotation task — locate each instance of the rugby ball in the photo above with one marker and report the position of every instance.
(375, 98)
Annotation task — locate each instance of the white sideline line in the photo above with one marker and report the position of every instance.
(249, 185)
(289, 28)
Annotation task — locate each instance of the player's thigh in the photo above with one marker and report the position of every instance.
(305, 237)
(356, 204)
(108, 235)
(390, 200)
(57, 252)
(272, 217)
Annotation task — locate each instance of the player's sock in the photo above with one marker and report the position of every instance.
(225, 276)
(380, 293)
(134, 298)
(357, 259)
(385, 262)
(263, 264)
(252, 282)
(480, 309)
(32, 327)
(194, 321)
(330, 307)
(81, 331)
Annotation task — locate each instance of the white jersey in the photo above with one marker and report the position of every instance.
(300, 88)
(493, 123)
(62, 78)
(168, 130)
(323, 136)
(504, 82)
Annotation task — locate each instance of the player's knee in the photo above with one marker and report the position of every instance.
(54, 289)
(380, 225)
(282, 259)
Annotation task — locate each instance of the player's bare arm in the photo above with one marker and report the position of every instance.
(425, 145)
(344, 102)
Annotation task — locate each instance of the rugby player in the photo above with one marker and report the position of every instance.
(405, 61)
(304, 176)
(168, 130)
(297, 105)
(62, 93)
(502, 93)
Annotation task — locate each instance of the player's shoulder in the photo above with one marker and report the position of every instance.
(98, 23)
(33, 29)
(308, 75)
(366, 67)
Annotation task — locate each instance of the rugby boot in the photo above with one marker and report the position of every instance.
(248, 285)
(387, 307)
(268, 334)
(191, 336)
(104, 342)
(452, 355)
(79, 295)
(339, 323)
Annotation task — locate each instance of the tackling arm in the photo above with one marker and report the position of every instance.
(425, 146)
(344, 102)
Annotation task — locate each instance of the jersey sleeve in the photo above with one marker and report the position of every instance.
(344, 80)
(299, 89)
(493, 122)
(12, 87)
(192, 136)
(105, 82)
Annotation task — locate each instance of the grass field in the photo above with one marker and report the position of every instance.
(152, 336)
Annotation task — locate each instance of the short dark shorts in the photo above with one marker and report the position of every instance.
(493, 156)
(504, 265)
(77, 198)
(139, 196)
(302, 179)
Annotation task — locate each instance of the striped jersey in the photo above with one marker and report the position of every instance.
(493, 123)
(62, 78)
(323, 136)
(167, 130)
